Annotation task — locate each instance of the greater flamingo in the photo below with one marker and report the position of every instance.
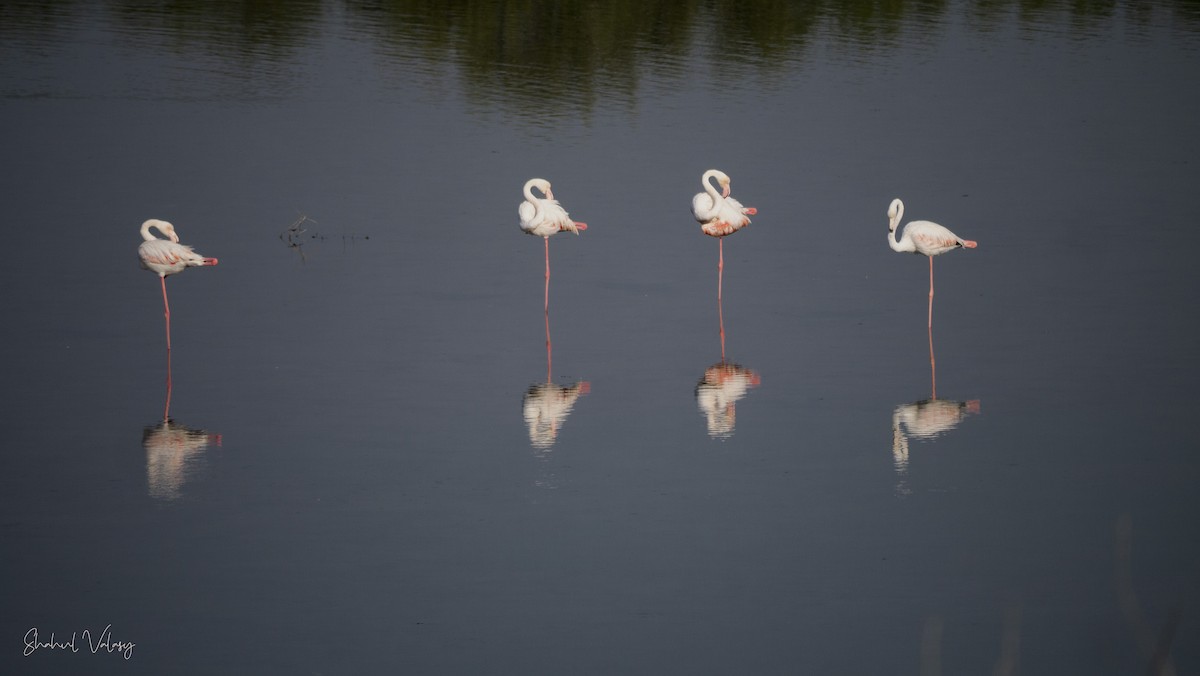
(719, 214)
(923, 237)
(167, 257)
(545, 217)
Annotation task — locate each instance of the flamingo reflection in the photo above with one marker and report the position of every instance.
(173, 451)
(718, 392)
(721, 387)
(546, 405)
(924, 420)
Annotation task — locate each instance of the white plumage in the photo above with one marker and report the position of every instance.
(544, 216)
(167, 257)
(718, 213)
(923, 237)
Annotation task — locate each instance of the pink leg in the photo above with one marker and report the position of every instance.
(167, 314)
(549, 352)
(167, 311)
(932, 365)
(931, 295)
(547, 275)
(720, 265)
(167, 405)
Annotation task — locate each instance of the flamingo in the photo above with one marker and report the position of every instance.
(547, 405)
(719, 214)
(545, 217)
(923, 237)
(167, 257)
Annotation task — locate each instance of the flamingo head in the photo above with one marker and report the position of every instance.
(723, 181)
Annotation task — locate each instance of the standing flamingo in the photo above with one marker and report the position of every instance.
(545, 217)
(923, 237)
(719, 215)
(167, 257)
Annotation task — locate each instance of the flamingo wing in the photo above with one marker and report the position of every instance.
(167, 258)
(552, 219)
(932, 239)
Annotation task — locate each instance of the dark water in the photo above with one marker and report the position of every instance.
(368, 467)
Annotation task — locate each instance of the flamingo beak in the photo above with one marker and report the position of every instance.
(725, 190)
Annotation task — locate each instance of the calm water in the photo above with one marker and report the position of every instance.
(371, 465)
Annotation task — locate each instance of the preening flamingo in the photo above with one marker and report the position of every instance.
(545, 217)
(167, 257)
(922, 237)
(719, 214)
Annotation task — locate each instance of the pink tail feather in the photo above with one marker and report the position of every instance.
(970, 244)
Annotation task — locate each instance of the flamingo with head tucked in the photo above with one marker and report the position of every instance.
(544, 216)
(923, 237)
(719, 214)
(167, 257)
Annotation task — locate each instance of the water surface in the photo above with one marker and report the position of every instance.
(373, 463)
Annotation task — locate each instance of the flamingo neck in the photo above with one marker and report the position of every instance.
(716, 196)
(905, 243)
(146, 231)
(537, 203)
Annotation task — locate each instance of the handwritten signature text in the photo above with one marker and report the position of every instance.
(103, 642)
